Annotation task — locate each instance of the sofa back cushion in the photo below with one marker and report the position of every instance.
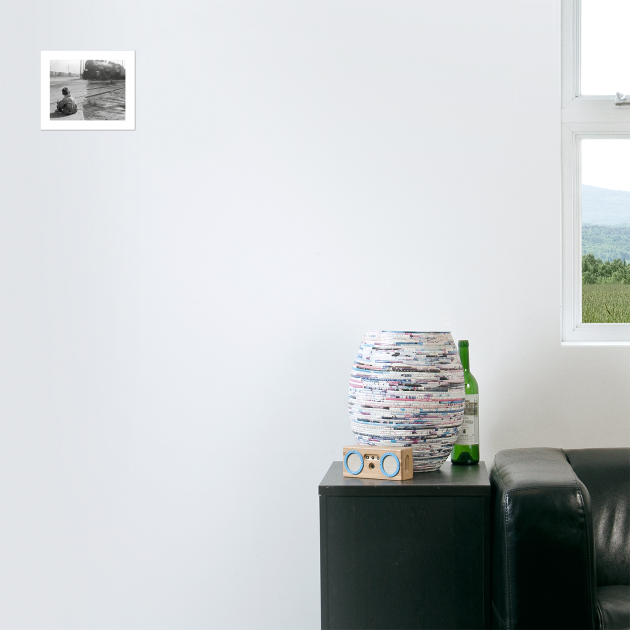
(606, 474)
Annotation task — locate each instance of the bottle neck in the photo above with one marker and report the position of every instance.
(463, 354)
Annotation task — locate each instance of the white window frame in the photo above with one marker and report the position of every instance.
(582, 117)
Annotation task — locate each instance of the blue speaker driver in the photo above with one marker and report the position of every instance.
(353, 462)
(390, 464)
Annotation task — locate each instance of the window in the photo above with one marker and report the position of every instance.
(595, 169)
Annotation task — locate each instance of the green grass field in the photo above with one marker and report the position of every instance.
(605, 303)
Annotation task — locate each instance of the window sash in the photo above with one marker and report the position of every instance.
(583, 117)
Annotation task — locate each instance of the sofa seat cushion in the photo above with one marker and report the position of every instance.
(613, 606)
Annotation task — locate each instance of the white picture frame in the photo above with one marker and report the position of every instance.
(78, 123)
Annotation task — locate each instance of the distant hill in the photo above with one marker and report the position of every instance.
(601, 206)
(605, 223)
(606, 242)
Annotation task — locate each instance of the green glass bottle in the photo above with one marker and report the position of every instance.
(466, 449)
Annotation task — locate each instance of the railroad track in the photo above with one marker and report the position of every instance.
(90, 94)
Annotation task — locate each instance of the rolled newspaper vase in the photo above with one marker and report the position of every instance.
(407, 389)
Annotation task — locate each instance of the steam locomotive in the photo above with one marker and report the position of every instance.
(100, 70)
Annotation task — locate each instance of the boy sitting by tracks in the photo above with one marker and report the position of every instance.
(67, 105)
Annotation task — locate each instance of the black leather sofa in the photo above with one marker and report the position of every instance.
(561, 540)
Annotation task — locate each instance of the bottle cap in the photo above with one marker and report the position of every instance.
(463, 342)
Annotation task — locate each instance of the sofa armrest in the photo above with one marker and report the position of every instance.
(543, 565)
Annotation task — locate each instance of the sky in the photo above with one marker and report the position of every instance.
(61, 65)
(606, 163)
(605, 50)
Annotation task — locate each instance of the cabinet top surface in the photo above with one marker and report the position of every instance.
(449, 480)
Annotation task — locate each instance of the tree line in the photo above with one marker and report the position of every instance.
(597, 271)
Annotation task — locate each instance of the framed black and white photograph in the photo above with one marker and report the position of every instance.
(88, 90)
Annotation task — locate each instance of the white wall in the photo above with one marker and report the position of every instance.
(181, 305)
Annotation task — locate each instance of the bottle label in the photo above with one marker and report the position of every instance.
(469, 431)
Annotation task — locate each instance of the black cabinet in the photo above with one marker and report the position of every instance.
(406, 554)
